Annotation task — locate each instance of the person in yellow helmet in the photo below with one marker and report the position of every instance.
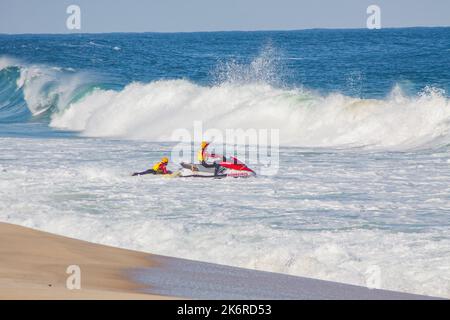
(158, 168)
(203, 154)
(203, 157)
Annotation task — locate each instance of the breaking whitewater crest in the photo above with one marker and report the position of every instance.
(246, 99)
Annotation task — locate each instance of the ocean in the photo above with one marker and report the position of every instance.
(363, 116)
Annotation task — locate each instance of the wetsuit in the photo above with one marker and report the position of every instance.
(202, 156)
(159, 168)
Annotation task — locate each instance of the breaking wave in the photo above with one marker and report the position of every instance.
(38, 90)
(244, 98)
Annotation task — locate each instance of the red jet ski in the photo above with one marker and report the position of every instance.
(229, 167)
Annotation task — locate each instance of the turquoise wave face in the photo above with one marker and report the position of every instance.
(31, 92)
(12, 104)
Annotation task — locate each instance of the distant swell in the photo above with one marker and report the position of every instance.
(152, 111)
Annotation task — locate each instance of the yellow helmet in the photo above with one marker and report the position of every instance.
(205, 144)
(165, 160)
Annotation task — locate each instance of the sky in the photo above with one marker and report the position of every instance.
(97, 16)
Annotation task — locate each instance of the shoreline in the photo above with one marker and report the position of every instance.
(34, 263)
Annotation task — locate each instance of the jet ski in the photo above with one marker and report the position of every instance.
(229, 167)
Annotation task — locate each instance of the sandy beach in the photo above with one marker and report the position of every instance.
(33, 265)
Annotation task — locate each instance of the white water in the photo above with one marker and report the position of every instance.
(153, 111)
(329, 215)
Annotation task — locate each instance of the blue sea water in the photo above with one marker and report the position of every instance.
(364, 120)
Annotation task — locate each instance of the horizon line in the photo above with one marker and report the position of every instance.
(220, 31)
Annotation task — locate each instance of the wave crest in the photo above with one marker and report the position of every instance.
(43, 89)
(153, 111)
